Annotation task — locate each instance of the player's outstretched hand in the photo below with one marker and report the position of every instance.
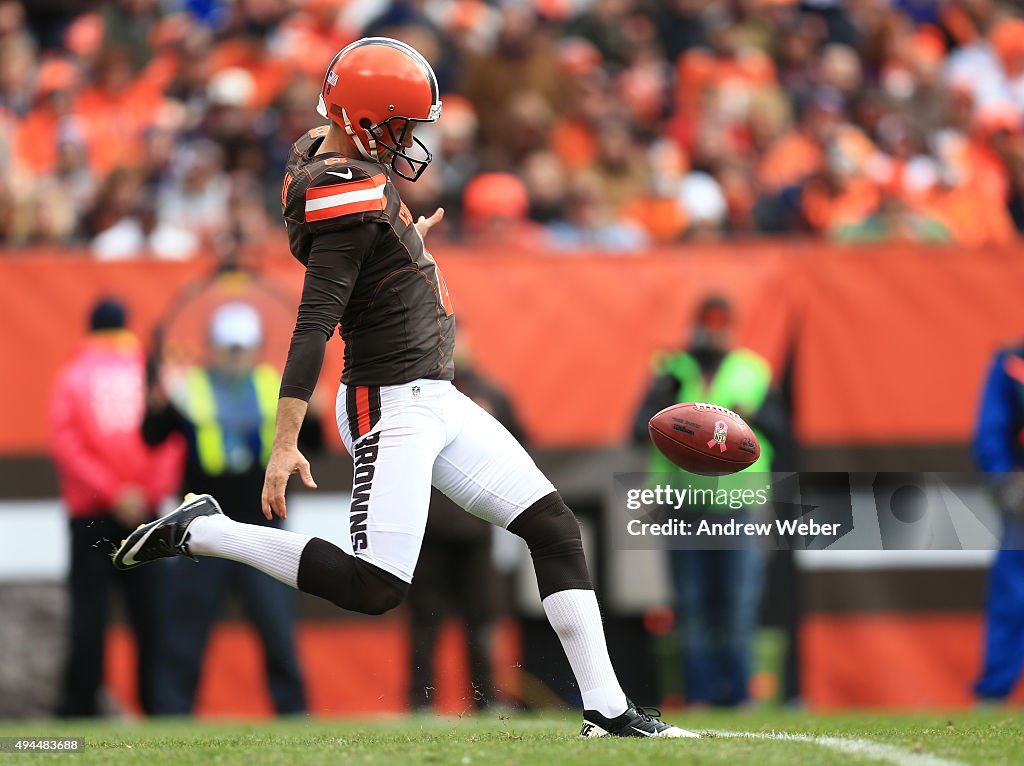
(423, 225)
(282, 464)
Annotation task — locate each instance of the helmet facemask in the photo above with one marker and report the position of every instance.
(409, 162)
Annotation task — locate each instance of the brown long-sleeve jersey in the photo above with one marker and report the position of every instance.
(367, 269)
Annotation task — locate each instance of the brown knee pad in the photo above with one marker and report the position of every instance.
(325, 570)
(552, 533)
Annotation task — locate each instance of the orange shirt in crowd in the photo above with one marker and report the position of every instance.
(698, 69)
(985, 172)
(662, 217)
(115, 122)
(35, 141)
(575, 144)
(972, 217)
(161, 71)
(792, 158)
(826, 211)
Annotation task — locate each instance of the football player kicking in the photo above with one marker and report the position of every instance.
(402, 420)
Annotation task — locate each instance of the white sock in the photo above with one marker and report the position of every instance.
(576, 618)
(268, 549)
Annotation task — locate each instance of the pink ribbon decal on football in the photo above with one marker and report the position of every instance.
(721, 430)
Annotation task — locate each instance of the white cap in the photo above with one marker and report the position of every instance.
(232, 86)
(236, 324)
(702, 198)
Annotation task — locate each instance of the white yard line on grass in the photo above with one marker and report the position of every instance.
(863, 748)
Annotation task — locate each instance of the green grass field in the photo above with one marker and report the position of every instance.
(768, 739)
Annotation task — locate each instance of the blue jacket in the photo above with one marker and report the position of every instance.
(997, 443)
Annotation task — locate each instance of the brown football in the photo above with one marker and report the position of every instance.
(704, 438)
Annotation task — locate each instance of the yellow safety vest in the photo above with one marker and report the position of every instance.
(201, 408)
(742, 381)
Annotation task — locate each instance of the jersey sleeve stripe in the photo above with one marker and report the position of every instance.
(344, 198)
(363, 184)
(352, 207)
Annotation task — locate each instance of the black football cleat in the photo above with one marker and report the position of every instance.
(635, 722)
(165, 537)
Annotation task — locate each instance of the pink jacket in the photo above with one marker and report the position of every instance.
(96, 412)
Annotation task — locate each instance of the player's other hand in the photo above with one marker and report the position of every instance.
(282, 464)
(423, 225)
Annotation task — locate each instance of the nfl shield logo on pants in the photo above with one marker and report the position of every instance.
(415, 392)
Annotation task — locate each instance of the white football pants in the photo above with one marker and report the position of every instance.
(403, 439)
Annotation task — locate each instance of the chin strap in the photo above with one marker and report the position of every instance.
(368, 153)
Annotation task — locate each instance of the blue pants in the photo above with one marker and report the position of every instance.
(1004, 618)
(194, 598)
(719, 596)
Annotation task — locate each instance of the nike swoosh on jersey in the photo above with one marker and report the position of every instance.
(347, 175)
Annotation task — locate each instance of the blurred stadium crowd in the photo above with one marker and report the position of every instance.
(161, 126)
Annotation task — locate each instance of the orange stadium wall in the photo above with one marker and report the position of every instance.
(338, 679)
(892, 660)
(889, 344)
